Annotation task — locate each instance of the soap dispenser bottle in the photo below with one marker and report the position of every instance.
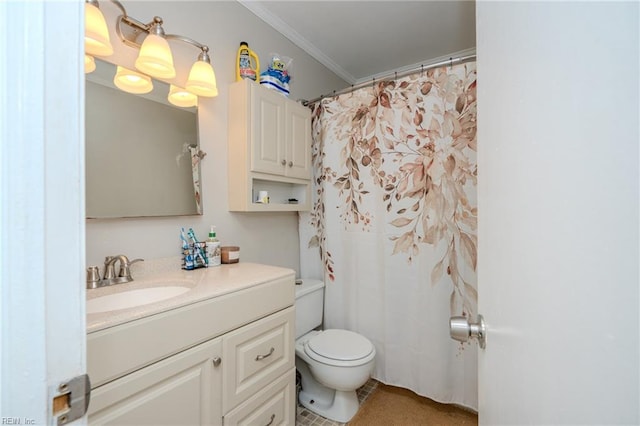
(213, 249)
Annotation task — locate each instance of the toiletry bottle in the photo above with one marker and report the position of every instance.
(213, 249)
(247, 63)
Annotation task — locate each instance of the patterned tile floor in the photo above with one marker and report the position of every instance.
(305, 417)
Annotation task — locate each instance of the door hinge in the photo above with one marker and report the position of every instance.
(71, 399)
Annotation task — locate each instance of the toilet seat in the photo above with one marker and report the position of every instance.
(340, 348)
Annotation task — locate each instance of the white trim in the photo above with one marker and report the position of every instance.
(42, 322)
(284, 29)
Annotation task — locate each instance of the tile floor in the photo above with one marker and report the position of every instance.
(305, 417)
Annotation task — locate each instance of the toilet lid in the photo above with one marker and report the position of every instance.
(341, 345)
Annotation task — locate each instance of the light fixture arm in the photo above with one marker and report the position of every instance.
(117, 3)
(204, 55)
(129, 30)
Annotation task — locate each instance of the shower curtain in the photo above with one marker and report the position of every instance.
(392, 230)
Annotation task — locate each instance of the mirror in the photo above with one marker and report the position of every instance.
(139, 151)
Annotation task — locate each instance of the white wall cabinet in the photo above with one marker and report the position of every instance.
(269, 149)
(226, 360)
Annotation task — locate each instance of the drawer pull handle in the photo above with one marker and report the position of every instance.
(261, 357)
(273, 417)
(216, 361)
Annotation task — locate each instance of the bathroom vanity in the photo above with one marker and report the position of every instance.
(221, 352)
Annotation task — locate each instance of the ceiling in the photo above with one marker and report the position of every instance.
(360, 40)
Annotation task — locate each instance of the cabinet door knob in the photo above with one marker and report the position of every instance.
(216, 361)
(283, 162)
(290, 163)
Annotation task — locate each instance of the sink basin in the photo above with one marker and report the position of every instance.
(133, 298)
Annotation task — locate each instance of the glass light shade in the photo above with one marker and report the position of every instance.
(96, 34)
(202, 80)
(89, 64)
(132, 81)
(182, 97)
(155, 58)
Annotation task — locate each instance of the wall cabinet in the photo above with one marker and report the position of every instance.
(238, 367)
(269, 149)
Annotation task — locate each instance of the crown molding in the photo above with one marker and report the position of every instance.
(279, 25)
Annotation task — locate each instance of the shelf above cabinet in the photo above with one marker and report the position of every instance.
(279, 190)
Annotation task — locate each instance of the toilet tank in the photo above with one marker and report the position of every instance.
(309, 305)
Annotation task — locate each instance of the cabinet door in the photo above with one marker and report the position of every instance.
(183, 389)
(267, 131)
(298, 149)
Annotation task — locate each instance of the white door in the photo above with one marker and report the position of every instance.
(298, 140)
(267, 130)
(558, 204)
(42, 333)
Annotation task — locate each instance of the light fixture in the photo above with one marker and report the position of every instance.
(132, 81)
(155, 56)
(202, 79)
(96, 33)
(89, 64)
(182, 97)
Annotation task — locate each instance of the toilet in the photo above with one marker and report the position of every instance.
(332, 363)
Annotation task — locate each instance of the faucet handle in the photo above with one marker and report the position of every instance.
(124, 268)
(93, 277)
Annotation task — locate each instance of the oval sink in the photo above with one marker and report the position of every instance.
(133, 298)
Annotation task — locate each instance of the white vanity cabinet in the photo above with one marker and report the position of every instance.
(269, 149)
(182, 389)
(222, 360)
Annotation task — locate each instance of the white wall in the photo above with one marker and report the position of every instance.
(270, 238)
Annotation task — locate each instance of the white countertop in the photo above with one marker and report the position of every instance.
(205, 283)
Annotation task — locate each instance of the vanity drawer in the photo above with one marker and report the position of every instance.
(274, 405)
(256, 355)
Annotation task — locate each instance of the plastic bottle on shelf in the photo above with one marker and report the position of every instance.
(247, 63)
(213, 248)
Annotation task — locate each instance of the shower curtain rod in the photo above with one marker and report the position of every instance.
(394, 75)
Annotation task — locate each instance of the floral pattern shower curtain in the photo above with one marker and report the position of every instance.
(392, 230)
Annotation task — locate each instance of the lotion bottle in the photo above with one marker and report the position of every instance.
(213, 249)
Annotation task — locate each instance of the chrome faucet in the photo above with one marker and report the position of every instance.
(109, 277)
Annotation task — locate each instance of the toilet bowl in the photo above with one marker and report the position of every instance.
(332, 363)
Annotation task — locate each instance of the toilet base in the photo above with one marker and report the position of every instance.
(339, 406)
